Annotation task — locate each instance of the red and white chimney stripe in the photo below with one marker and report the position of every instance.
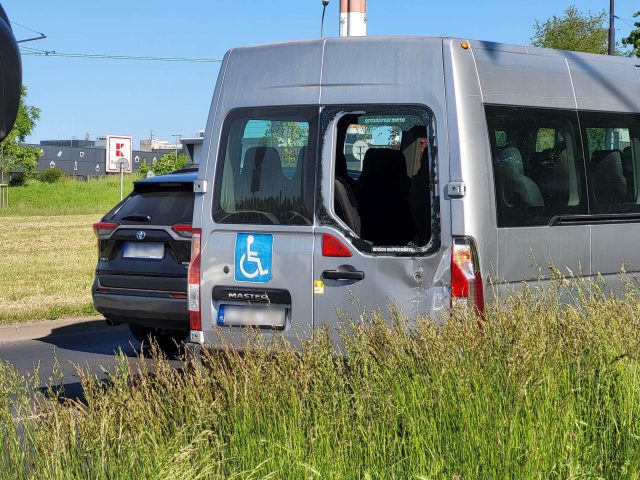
(353, 18)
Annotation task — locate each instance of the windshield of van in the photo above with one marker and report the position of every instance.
(266, 173)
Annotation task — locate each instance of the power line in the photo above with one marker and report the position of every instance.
(27, 28)
(627, 21)
(99, 56)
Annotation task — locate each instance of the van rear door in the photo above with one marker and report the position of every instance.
(259, 253)
(378, 244)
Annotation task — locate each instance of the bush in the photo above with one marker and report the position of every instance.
(51, 175)
(143, 170)
(168, 163)
(17, 179)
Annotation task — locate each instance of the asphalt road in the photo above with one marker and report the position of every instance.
(87, 343)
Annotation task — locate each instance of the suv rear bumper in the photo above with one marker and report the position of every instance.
(148, 311)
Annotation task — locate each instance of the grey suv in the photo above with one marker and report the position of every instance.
(144, 249)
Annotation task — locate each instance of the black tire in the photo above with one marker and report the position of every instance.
(169, 341)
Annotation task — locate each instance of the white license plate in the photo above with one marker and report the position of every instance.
(152, 250)
(236, 315)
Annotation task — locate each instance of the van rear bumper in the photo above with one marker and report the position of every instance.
(154, 312)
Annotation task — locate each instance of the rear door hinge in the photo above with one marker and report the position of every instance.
(200, 186)
(456, 189)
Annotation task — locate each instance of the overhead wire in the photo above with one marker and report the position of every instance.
(97, 56)
(25, 27)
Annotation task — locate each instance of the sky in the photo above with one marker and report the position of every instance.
(124, 97)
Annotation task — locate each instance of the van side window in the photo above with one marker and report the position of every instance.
(538, 174)
(383, 179)
(613, 151)
(265, 168)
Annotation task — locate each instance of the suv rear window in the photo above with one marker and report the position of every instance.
(163, 207)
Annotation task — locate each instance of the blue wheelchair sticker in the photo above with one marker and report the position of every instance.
(254, 252)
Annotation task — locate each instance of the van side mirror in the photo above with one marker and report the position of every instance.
(10, 76)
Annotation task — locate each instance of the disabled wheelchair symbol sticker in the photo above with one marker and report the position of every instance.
(253, 257)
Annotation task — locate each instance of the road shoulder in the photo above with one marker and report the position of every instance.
(17, 332)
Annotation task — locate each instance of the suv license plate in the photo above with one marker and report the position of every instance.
(152, 250)
(239, 316)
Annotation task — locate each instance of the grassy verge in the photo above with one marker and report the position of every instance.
(47, 248)
(542, 390)
(67, 197)
(47, 265)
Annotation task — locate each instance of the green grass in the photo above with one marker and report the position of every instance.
(47, 265)
(68, 197)
(47, 247)
(542, 390)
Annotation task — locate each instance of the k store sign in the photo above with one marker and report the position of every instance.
(117, 148)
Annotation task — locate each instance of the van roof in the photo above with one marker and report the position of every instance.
(473, 43)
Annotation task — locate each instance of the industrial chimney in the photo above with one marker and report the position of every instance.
(353, 18)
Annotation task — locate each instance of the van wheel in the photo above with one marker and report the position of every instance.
(169, 341)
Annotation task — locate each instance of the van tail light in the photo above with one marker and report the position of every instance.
(193, 281)
(466, 278)
(332, 247)
(104, 229)
(184, 230)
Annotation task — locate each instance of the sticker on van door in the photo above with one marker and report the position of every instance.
(254, 252)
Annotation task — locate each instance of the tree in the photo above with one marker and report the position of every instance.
(169, 162)
(13, 155)
(289, 137)
(576, 30)
(633, 40)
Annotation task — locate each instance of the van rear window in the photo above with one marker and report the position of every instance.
(265, 173)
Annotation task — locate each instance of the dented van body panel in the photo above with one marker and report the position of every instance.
(445, 85)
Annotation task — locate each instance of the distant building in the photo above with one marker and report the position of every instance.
(192, 147)
(87, 158)
(154, 144)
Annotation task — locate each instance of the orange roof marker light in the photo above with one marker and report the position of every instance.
(465, 45)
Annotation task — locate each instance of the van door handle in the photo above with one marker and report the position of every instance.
(343, 275)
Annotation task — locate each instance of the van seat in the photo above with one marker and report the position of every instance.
(553, 179)
(514, 188)
(610, 186)
(382, 192)
(627, 169)
(261, 176)
(420, 200)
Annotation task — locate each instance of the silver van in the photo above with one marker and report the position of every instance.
(344, 175)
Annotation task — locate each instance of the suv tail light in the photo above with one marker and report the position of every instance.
(193, 281)
(104, 229)
(184, 230)
(466, 279)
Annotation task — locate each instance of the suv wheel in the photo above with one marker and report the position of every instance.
(169, 341)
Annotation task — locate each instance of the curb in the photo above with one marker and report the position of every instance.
(16, 332)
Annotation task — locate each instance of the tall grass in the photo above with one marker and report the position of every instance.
(541, 389)
(67, 197)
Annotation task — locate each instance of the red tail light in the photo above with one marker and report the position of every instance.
(193, 282)
(104, 229)
(184, 230)
(466, 279)
(332, 247)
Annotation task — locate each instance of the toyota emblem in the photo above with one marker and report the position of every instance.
(140, 235)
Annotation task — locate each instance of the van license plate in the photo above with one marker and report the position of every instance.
(236, 315)
(151, 250)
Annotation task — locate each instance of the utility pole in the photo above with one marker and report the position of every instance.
(176, 138)
(612, 31)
